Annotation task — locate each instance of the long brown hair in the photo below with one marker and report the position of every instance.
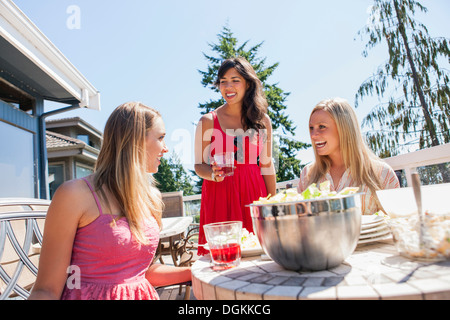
(255, 104)
(121, 166)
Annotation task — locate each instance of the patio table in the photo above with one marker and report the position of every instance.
(172, 227)
(373, 271)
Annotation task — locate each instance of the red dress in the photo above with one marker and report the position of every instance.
(227, 200)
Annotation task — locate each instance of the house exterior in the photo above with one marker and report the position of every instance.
(32, 72)
(72, 149)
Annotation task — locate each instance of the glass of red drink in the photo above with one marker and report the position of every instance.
(225, 160)
(224, 243)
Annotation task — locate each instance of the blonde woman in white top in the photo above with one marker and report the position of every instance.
(342, 156)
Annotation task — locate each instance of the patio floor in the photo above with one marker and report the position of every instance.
(172, 292)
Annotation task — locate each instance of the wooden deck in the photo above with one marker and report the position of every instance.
(173, 292)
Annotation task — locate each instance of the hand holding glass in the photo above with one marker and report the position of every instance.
(225, 160)
(224, 243)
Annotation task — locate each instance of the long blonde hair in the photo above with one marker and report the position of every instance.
(357, 156)
(121, 166)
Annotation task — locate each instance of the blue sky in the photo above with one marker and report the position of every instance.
(151, 51)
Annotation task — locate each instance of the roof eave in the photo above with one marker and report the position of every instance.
(23, 34)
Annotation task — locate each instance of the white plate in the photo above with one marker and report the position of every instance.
(374, 229)
(370, 219)
(376, 234)
(385, 237)
(372, 225)
(250, 252)
(368, 222)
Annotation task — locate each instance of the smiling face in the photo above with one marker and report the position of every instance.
(155, 145)
(233, 86)
(324, 134)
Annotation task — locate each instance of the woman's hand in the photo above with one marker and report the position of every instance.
(217, 173)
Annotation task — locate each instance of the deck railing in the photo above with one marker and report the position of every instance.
(407, 163)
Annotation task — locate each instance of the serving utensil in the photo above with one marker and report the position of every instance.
(418, 196)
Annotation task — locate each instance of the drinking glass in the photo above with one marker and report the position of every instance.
(224, 243)
(225, 160)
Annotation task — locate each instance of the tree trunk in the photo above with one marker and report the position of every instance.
(423, 103)
(431, 129)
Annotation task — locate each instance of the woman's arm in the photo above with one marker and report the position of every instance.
(388, 177)
(61, 223)
(302, 182)
(266, 162)
(163, 275)
(203, 135)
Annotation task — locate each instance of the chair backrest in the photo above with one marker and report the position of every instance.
(173, 202)
(21, 228)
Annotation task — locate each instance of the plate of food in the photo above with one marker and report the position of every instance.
(250, 245)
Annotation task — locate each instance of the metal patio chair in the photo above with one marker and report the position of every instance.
(21, 228)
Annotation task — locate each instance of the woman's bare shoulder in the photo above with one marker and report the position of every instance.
(72, 197)
(267, 121)
(73, 188)
(206, 121)
(207, 117)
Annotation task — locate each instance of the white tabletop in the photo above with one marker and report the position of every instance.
(374, 271)
(173, 226)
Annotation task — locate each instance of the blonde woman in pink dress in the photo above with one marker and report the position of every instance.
(102, 231)
(342, 156)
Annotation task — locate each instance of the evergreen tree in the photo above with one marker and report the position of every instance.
(288, 167)
(171, 176)
(414, 69)
(198, 182)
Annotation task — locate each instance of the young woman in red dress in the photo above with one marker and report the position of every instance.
(241, 126)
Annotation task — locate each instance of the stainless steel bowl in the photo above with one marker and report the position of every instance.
(313, 235)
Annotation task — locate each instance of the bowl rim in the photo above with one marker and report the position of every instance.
(335, 197)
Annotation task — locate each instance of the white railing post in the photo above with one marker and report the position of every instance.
(425, 157)
(408, 172)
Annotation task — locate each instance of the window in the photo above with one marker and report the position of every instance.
(16, 162)
(56, 177)
(84, 138)
(82, 170)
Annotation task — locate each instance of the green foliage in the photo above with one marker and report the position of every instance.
(415, 79)
(171, 176)
(227, 47)
(288, 166)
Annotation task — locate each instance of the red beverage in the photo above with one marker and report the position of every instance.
(226, 253)
(228, 170)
